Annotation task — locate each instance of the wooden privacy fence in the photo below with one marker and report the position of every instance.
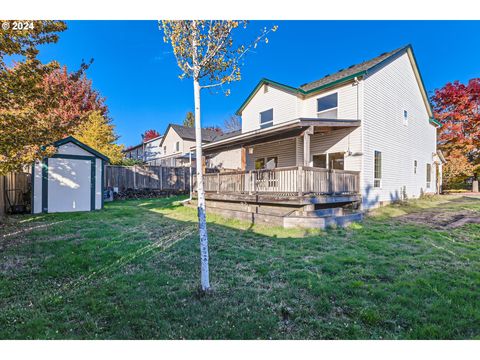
(15, 189)
(148, 177)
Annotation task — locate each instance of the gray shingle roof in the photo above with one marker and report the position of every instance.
(351, 70)
(228, 135)
(188, 133)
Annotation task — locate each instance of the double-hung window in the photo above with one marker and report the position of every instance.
(266, 118)
(177, 146)
(327, 107)
(377, 169)
(429, 175)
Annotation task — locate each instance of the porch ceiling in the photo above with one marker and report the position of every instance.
(282, 131)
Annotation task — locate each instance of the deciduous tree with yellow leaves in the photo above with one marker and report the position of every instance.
(98, 132)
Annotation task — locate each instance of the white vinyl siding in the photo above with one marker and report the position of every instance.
(347, 140)
(153, 150)
(347, 102)
(389, 91)
(284, 150)
(266, 118)
(327, 106)
(226, 160)
(169, 144)
(284, 105)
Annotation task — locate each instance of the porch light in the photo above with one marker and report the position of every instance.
(250, 150)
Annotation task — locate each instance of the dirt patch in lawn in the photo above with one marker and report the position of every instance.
(442, 219)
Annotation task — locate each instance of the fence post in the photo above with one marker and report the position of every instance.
(300, 181)
(134, 177)
(218, 183)
(160, 174)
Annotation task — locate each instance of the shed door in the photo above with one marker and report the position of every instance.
(69, 185)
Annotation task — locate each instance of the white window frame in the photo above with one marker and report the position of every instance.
(330, 109)
(428, 175)
(318, 154)
(268, 123)
(177, 146)
(375, 179)
(265, 160)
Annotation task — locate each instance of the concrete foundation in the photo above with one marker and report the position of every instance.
(283, 215)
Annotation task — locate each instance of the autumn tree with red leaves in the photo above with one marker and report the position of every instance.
(457, 107)
(150, 134)
(39, 103)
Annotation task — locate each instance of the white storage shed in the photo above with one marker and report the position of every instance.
(70, 180)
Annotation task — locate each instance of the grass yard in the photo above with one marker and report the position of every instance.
(131, 271)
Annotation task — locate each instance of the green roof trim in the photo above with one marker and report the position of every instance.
(293, 89)
(336, 82)
(364, 71)
(436, 122)
(71, 139)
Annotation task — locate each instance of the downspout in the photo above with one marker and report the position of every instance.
(190, 185)
(362, 145)
(355, 83)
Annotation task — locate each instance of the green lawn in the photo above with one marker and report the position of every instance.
(131, 271)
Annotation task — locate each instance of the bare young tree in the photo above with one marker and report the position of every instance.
(205, 51)
(233, 123)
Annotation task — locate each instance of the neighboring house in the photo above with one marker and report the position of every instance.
(148, 152)
(365, 135)
(178, 141)
(152, 151)
(134, 152)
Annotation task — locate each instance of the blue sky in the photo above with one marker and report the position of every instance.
(138, 75)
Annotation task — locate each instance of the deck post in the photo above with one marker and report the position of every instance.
(250, 183)
(306, 146)
(331, 180)
(300, 181)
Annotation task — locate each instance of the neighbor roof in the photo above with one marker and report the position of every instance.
(188, 133)
(345, 75)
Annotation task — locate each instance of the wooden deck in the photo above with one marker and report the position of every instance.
(288, 185)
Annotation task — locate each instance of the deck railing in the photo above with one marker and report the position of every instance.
(295, 180)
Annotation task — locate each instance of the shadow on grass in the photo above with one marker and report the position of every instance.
(131, 271)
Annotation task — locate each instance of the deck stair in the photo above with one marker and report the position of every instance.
(286, 216)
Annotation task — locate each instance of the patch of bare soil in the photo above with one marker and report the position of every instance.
(9, 265)
(15, 233)
(442, 219)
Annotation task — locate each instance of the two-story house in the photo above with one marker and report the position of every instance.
(152, 151)
(148, 151)
(134, 152)
(178, 141)
(364, 135)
